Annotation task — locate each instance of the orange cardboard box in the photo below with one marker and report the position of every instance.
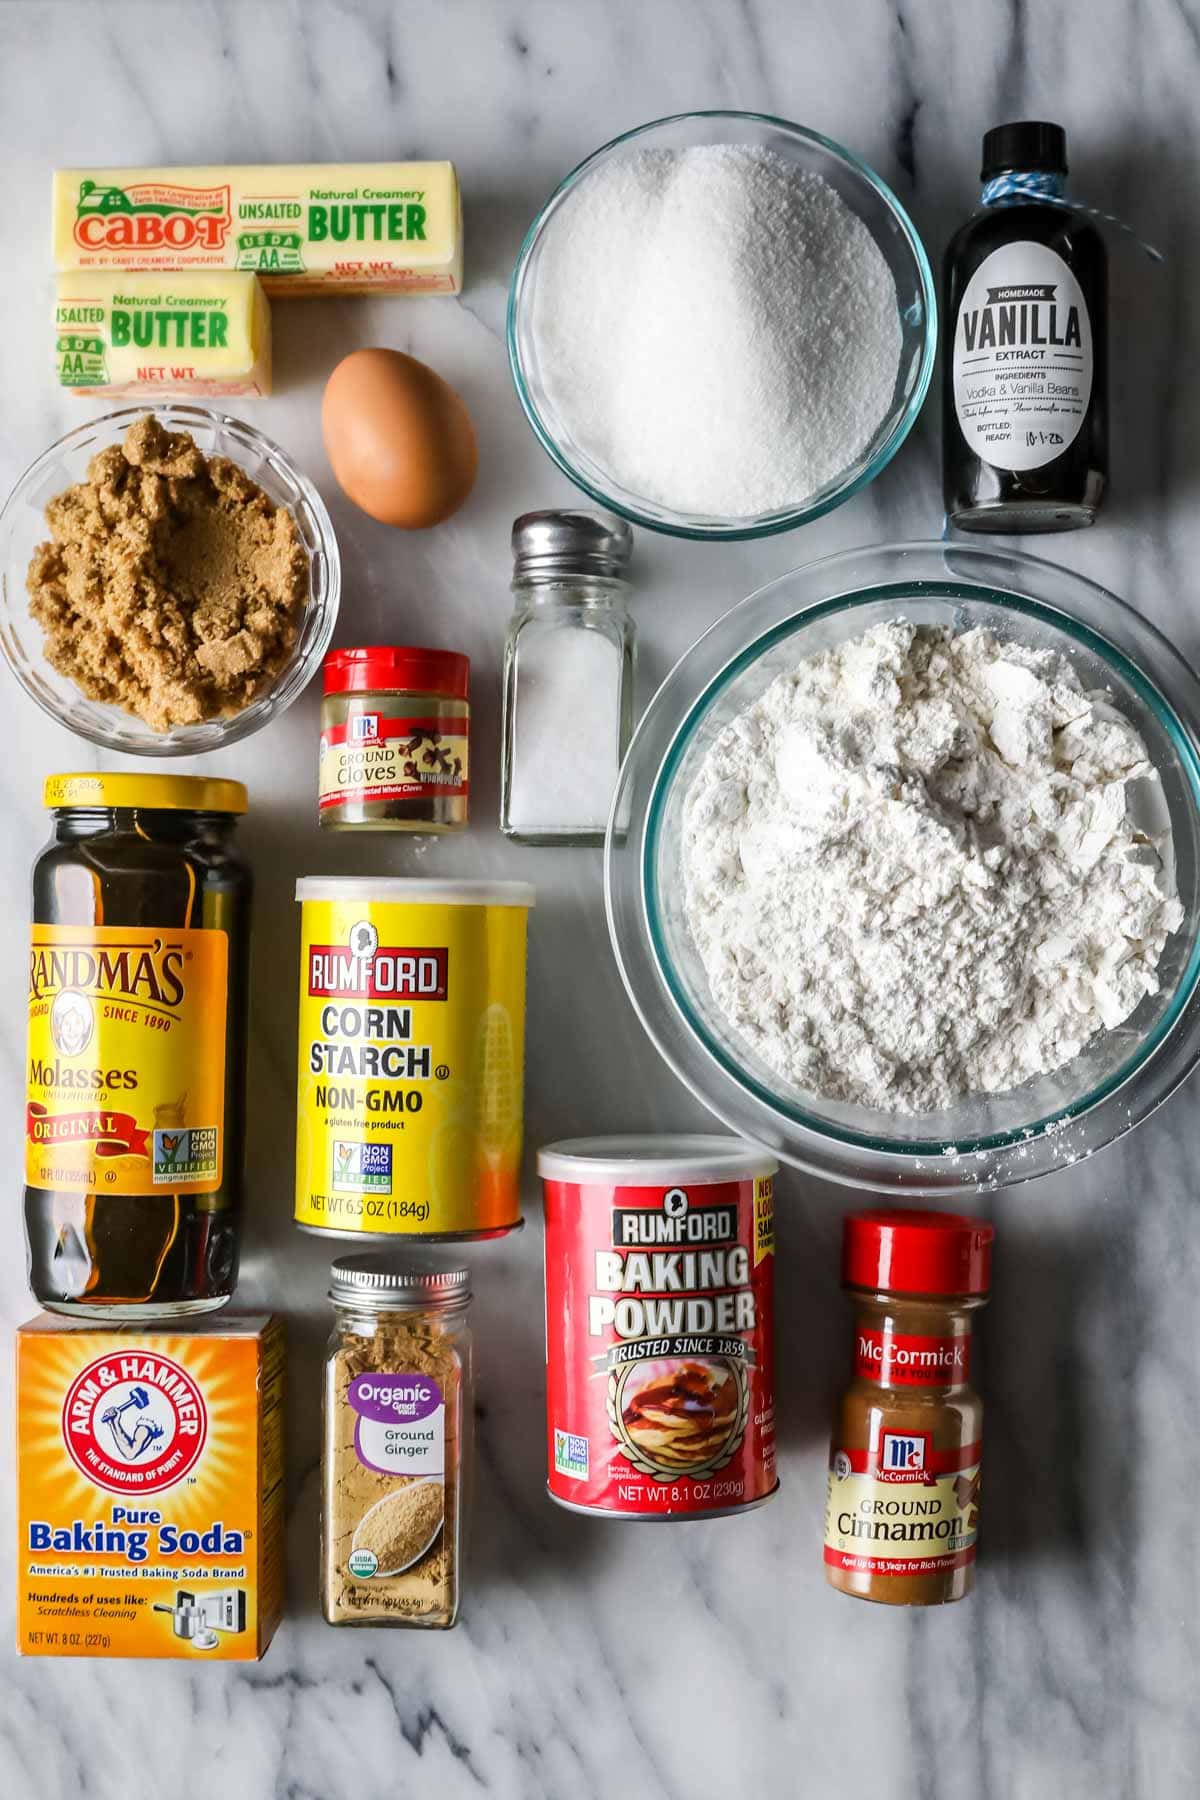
(150, 1489)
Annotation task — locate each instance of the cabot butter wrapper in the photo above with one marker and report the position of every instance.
(150, 1488)
(301, 228)
(187, 333)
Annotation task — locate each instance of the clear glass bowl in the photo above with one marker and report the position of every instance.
(23, 528)
(983, 1141)
(863, 192)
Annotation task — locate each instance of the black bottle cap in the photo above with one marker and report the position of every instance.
(1027, 144)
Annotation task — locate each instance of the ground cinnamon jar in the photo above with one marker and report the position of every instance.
(903, 1505)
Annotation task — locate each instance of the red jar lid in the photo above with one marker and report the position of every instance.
(905, 1250)
(378, 667)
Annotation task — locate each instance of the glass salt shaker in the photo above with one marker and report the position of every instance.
(568, 677)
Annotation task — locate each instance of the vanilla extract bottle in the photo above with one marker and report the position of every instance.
(1025, 375)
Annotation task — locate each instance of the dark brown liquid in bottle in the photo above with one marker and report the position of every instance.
(156, 1254)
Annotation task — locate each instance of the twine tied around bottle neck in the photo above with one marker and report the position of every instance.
(1049, 189)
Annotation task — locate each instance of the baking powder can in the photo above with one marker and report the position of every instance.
(409, 1109)
(660, 1283)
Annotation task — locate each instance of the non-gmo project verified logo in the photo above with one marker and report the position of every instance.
(361, 1168)
(571, 1454)
(184, 1155)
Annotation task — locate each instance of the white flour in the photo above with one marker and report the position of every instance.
(912, 873)
(715, 326)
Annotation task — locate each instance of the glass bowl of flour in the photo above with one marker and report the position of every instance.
(903, 872)
(722, 325)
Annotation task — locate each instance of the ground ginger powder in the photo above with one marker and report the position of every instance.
(402, 1525)
(172, 586)
(394, 1401)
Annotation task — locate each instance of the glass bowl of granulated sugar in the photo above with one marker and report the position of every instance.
(903, 870)
(721, 325)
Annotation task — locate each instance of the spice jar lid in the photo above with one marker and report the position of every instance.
(372, 667)
(396, 1279)
(150, 793)
(907, 1250)
(571, 543)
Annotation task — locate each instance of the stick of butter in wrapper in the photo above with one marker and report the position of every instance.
(122, 334)
(302, 228)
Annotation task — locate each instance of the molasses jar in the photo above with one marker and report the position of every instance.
(395, 724)
(903, 1501)
(134, 1114)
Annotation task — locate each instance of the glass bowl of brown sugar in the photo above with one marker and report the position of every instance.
(163, 599)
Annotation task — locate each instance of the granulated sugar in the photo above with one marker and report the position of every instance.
(716, 328)
(913, 869)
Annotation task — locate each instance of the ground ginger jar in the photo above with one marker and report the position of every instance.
(904, 1468)
(398, 1418)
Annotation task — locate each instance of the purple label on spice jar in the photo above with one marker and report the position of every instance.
(401, 1423)
(389, 1399)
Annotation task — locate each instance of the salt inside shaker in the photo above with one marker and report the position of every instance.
(568, 677)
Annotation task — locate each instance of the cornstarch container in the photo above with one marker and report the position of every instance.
(412, 1049)
(660, 1282)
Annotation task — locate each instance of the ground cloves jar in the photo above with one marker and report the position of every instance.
(395, 724)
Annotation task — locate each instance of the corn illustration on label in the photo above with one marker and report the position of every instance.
(412, 1029)
(126, 1059)
(150, 1489)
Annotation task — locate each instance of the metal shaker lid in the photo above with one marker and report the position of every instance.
(398, 1278)
(571, 543)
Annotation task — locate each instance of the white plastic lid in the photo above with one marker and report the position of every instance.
(654, 1161)
(414, 890)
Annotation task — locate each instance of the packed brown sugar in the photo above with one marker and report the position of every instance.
(172, 586)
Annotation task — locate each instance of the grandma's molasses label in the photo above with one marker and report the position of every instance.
(901, 1507)
(659, 1351)
(125, 1085)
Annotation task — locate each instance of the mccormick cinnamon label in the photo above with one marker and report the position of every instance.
(901, 1507)
(904, 1359)
(659, 1346)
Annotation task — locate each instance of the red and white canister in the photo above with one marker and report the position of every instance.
(660, 1284)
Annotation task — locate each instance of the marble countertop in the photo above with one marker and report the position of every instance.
(708, 1658)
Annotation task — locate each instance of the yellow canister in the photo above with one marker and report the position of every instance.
(412, 1052)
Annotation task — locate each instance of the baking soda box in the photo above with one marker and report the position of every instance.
(149, 1489)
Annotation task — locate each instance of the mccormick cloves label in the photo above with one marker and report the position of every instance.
(125, 1089)
(374, 757)
(659, 1345)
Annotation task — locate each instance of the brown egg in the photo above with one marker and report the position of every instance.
(400, 440)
